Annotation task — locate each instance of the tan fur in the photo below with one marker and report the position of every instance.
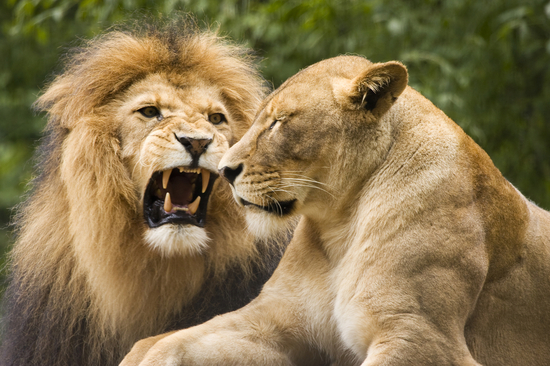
(412, 248)
(83, 231)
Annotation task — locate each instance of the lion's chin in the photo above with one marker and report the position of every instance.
(177, 240)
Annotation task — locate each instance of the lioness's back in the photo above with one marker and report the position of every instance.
(511, 322)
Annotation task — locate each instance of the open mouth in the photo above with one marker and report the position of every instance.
(178, 196)
(280, 208)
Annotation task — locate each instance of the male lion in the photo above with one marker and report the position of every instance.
(412, 248)
(128, 233)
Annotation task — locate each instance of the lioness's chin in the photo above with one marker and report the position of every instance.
(265, 225)
(177, 240)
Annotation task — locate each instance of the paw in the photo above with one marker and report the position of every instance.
(140, 349)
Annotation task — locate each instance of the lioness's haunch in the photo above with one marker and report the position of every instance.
(412, 248)
(128, 232)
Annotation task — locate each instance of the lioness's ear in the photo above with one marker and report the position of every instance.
(375, 89)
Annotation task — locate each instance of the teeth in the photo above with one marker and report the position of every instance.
(166, 177)
(167, 203)
(189, 170)
(205, 179)
(194, 206)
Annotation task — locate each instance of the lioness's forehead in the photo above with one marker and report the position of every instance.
(310, 85)
(339, 67)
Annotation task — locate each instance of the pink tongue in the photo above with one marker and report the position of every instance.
(181, 190)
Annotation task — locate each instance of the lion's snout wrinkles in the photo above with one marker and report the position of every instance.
(411, 249)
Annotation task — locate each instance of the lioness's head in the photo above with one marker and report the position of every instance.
(162, 105)
(321, 119)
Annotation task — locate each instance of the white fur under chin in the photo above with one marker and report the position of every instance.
(264, 225)
(173, 240)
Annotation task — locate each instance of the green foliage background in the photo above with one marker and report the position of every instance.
(485, 63)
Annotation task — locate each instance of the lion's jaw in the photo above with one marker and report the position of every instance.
(174, 239)
(174, 137)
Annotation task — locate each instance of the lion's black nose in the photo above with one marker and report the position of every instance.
(195, 147)
(231, 173)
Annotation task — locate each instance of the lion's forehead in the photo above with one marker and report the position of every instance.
(163, 92)
(184, 107)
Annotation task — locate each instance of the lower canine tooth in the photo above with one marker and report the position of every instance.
(167, 203)
(205, 179)
(194, 206)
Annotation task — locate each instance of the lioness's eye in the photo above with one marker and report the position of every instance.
(216, 118)
(149, 112)
(273, 124)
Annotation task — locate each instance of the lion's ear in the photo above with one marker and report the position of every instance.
(374, 89)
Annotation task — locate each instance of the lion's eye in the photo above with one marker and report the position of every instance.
(216, 118)
(149, 112)
(273, 124)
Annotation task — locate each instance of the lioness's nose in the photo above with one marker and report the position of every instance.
(231, 173)
(195, 147)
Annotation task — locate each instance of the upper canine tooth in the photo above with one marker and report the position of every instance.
(166, 177)
(195, 205)
(167, 203)
(181, 169)
(205, 179)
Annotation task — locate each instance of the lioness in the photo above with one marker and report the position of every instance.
(412, 248)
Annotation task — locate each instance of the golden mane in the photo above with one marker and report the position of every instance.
(83, 286)
(108, 64)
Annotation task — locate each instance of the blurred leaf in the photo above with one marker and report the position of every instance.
(484, 63)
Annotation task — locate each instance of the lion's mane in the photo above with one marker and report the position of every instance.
(83, 285)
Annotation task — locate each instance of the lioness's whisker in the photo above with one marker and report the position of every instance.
(310, 186)
(275, 190)
(278, 189)
(280, 209)
(305, 178)
(297, 173)
(297, 183)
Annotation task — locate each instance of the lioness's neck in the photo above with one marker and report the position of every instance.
(375, 189)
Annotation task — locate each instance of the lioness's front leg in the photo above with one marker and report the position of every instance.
(254, 335)
(411, 307)
(226, 340)
(140, 349)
